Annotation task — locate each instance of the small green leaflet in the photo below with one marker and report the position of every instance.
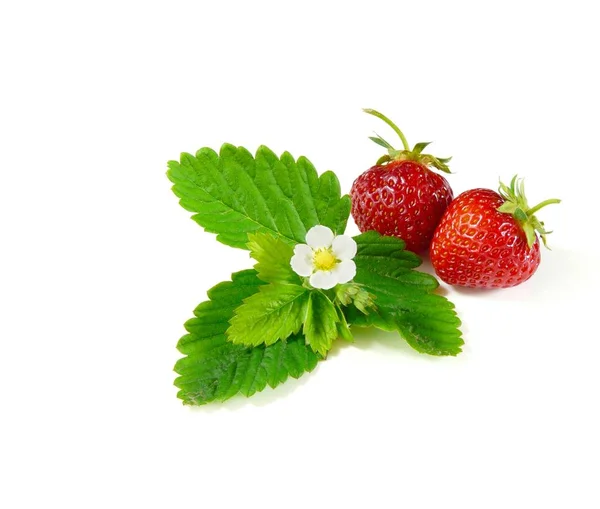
(321, 323)
(275, 312)
(273, 259)
(214, 369)
(403, 297)
(234, 194)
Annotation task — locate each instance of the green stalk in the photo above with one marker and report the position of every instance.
(533, 210)
(375, 113)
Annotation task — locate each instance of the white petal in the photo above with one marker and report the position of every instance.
(344, 247)
(319, 236)
(323, 279)
(344, 271)
(301, 262)
(303, 249)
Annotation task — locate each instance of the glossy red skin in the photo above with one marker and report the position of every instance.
(476, 246)
(402, 199)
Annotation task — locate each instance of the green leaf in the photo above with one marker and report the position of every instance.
(321, 323)
(389, 251)
(233, 194)
(273, 257)
(275, 312)
(214, 369)
(403, 297)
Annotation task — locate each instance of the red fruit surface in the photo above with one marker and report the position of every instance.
(402, 199)
(476, 246)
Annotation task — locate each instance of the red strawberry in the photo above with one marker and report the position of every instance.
(488, 240)
(400, 195)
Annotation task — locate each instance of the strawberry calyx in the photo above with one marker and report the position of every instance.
(406, 154)
(515, 203)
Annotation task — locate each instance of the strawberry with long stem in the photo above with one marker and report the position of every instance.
(401, 196)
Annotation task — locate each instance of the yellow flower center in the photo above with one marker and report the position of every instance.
(324, 259)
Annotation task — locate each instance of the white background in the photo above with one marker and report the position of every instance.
(100, 267)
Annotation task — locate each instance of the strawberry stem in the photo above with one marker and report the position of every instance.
(533, 210)
(375, 113)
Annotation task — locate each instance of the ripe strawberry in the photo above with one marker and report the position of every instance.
(488, 240)
(400, 195)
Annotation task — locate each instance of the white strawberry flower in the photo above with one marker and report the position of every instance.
(326, 258)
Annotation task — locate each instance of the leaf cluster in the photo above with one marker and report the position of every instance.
(268, 324)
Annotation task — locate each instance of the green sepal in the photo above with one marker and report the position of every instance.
(515, 203)
(508, 207)
(383, 160)
(437, 163)
(418, 148)
(529, 232)
(520, 214)
(381, 142)
(539, 227)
